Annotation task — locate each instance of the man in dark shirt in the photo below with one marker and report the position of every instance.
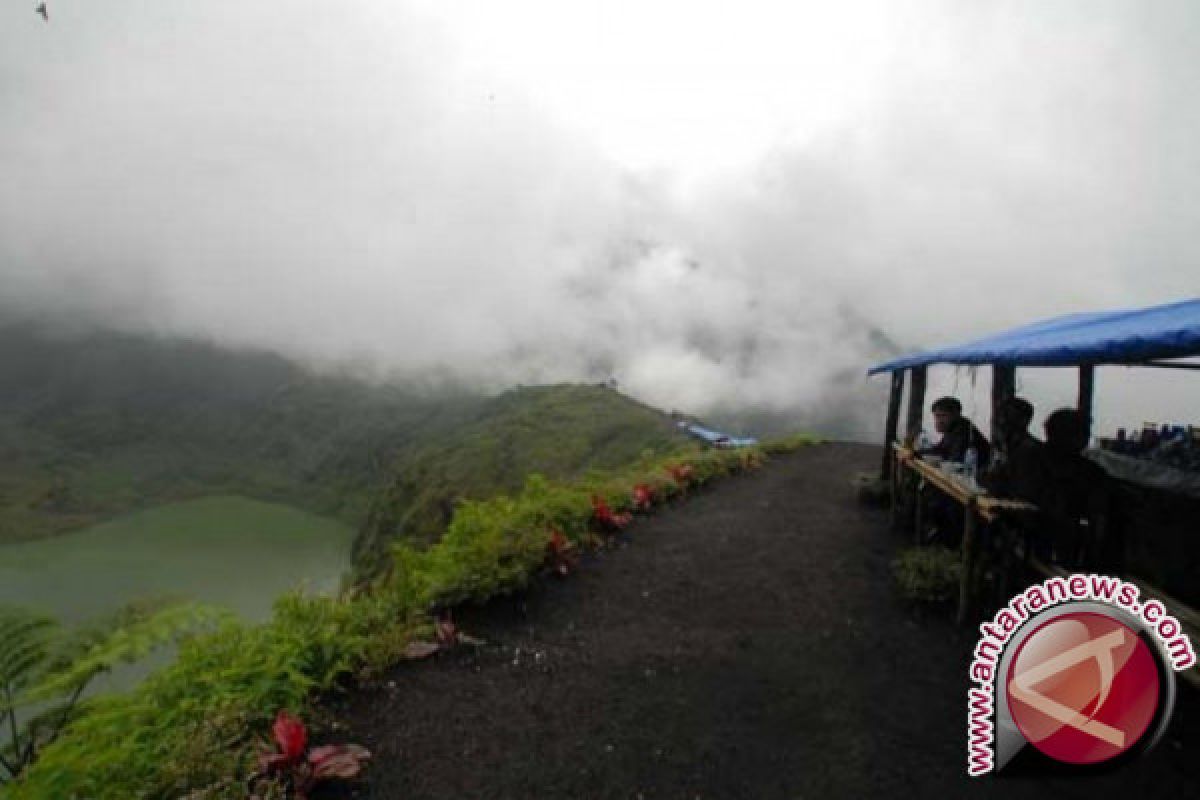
(958, 434)
(1076, 501)
(942, 514)
(1019, 469)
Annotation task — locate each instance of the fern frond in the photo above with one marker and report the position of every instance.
(26, 639)
(125, 645)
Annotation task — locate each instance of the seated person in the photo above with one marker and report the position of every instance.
(1076, 500)
(1019, 466)
(1019, 471)
(942, 514)
(958, 433)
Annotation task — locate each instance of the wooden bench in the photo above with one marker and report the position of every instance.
(975, 501)
(978, 503)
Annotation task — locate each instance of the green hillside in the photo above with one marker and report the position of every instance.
(558, 431)
(95, 424)
(98, 423)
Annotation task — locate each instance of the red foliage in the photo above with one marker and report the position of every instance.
(291, 737)
(643, 497)
(301, 770)
(681, 473)
(446, 631)
(560, 553)
(606, 518)
(337, 761)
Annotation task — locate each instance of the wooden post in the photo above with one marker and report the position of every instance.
(1004, 383)
(918, 516)
(966, 581)
(916, 405)
(1087, 383)
(894, 490)
(893, 415)
(912, 427)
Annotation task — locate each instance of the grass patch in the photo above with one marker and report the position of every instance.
(787, 444)
(928, 575)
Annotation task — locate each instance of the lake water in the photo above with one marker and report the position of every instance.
(228, 550)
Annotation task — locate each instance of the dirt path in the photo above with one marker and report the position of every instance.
(746, 644)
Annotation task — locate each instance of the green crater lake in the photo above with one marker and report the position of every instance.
(223, 550)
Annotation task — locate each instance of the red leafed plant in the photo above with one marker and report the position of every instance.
(643, 497)
(302, 768)
(681, 473)
(446, 635)
(445, 631)
(560, 553)
(606, 518)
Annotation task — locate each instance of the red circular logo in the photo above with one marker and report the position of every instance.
(1083, 688)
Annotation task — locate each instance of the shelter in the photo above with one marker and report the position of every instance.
(1157, 336)
(716, 438)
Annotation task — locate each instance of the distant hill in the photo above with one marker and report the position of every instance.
(96, 423)
(558, 431)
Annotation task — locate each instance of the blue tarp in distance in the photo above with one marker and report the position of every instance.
(1104, 337)
(716, 438)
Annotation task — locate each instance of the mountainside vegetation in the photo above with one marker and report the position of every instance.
(561, 432)
(94, 424)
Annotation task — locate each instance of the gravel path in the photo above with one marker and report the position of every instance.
(745, 644)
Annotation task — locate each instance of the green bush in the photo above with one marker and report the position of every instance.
(45, 667)
(928, 575)
(788, 444)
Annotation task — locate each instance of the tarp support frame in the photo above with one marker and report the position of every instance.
(1004, 386)
(1167, 365)
(916, 404)
(1087, 385)
(893, 418)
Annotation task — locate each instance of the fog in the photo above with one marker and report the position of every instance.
(723, 206)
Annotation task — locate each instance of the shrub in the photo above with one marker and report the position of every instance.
(45, 668)
(788, 444)
(928, 575)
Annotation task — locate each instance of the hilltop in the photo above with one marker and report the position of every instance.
(558, 431)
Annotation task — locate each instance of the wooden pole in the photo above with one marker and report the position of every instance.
(1004, 384)
(912, 427)
(1087, 384)
(916, 405)
(918, 518)
(966, 581)
(1168, 364)
(893, 416)
(894, 490)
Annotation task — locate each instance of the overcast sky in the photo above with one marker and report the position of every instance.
(712, 202)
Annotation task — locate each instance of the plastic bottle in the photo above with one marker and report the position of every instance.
(971, 463)
(923, 442)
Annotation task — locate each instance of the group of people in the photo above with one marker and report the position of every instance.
(1069, 490)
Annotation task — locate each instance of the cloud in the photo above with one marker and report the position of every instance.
(378, 181)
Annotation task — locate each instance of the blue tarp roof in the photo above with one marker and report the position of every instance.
(713, 437)
(1105, 337)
